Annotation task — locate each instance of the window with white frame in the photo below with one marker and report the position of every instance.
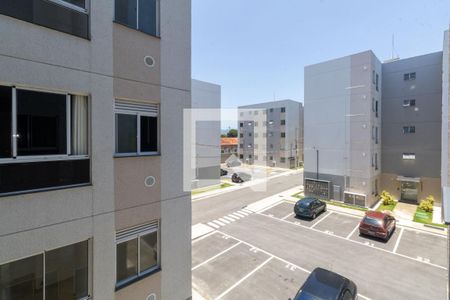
(62, 273)
(409, 156)
(409, 102)
(37, 125)
(142, 15)
(136, 128)
(137, 252)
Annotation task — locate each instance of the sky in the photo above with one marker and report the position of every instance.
(257, 50)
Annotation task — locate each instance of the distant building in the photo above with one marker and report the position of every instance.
(372, 126)
(271, 134)
(228, 147)
(206, 95)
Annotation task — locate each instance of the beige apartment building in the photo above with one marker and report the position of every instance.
(91, 103)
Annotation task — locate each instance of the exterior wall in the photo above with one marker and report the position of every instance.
(175, 96)
(33, 223)
(228, 150)
(426, 116)
(339, 121)
(141, 289)
(445, 168)
(428, 186)
(266, 141)
(206, 96)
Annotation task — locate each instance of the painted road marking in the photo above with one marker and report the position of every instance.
(213, 225)
(314, 225)
(285, 217)
(215, 256)
(353, 241)
(235, 215)
(224, 221)
(240, 214)
(398, 240)
(229, 219)
(218, 222)
(272, 256)
(243, 212)
(244, 278)
(351, 233)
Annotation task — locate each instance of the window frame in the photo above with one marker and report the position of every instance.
(158, 19)
(69, 5)
(154, 227)
(138, 115)
(43, 253)
(15, 158)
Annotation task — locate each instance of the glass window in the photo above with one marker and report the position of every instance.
(142, 15)
(127, 259)
(149, 251)
(283, 122)
(66, 272)
(79, 3)
(41, 123)
(5, 121)
(149, 134)
(283, 134)
(283, 109)
(126, 133)
(126, 12)
(22, 279)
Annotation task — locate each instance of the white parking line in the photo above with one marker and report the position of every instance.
(213, 225)
(398, 240)
(285, 217)
(351, 233)
(273, 256)
(215, 256)
(329, 213)
(243, 278)
(224, 221)
(203, 237)
(353, 241)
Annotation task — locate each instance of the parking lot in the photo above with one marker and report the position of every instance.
(269, 254)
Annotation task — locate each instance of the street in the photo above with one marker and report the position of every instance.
(268, 254)
(204, 210)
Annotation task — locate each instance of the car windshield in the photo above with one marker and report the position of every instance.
(304, 204)
(372, 221)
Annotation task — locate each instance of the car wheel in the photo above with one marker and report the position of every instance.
(325, 208)
(314, 216)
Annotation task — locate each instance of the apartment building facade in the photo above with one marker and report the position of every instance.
(271, 134)
(228, 147)
(91, 98)
(206, 96)
(411, 126)
(342, 128)
(372, 126)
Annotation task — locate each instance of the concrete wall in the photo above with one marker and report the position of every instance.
(338, 122)
(33, 223)
(445, 169)
(206, 95)
(175, 202)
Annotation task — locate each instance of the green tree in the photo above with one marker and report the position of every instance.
(232, 133)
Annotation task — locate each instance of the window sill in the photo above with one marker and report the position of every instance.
(128, 26)
(49, 189)
(124, 155)
(135, 279)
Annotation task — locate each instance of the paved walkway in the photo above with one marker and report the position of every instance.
(405, 211)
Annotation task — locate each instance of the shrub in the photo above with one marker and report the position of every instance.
(386, 198)
(427, 204)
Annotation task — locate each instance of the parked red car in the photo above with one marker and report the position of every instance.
(377, 224)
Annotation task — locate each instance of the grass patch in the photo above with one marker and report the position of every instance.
(211, 188)
(425, 217)
(298, 195)
(387, 207)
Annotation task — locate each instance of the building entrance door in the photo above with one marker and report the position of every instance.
(409, 191)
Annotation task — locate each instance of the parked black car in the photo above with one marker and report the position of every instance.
(240, 177)
(223, 172)
(324, 284)
(309, 207)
